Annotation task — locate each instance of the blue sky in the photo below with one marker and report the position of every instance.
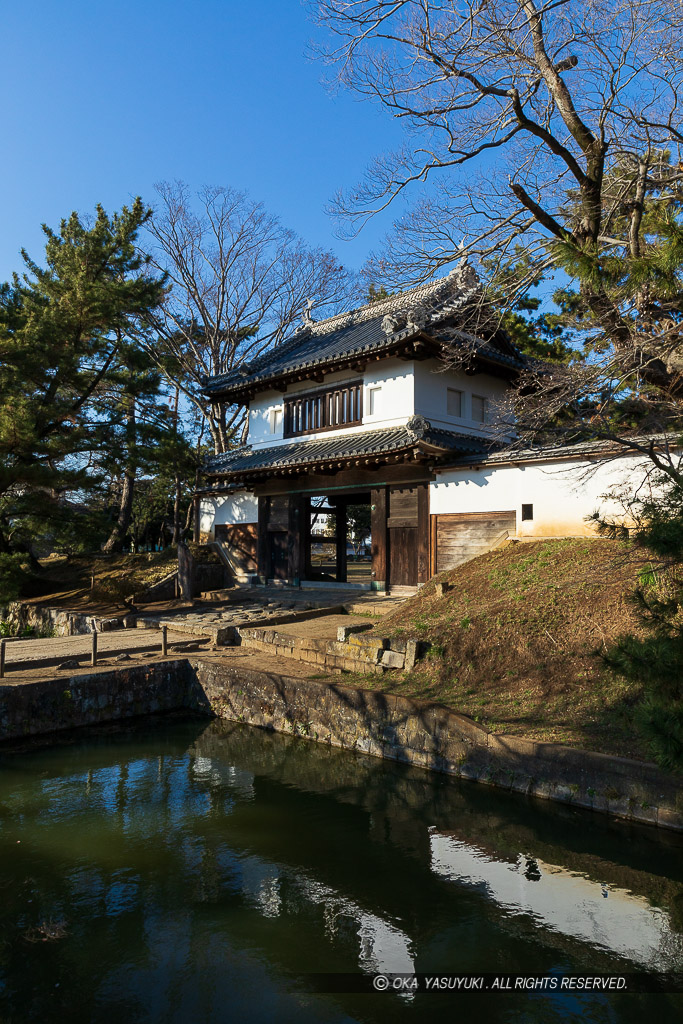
(102, 100)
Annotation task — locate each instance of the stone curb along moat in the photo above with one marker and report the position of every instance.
(383, 725)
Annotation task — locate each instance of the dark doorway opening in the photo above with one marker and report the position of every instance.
(339, 541)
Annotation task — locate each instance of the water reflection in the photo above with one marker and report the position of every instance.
(199, 871)
(608, 917)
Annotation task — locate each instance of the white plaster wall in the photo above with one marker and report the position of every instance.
(431, 387)
(396, 402)
(396, 398)
(260, 412)
(240, 507)
(563, 492)
(405, 388)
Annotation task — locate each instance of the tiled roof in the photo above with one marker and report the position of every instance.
(368, 330)
(605, 447)
(416, 433)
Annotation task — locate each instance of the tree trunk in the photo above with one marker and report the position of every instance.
(185, 571)
(176, 511)
(115, 540)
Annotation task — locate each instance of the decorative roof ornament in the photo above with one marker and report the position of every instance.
(390, 324)
(417, 426)
(417, 317)
(306, 317)
(307, 320)
(464, 274)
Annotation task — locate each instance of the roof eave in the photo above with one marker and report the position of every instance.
(394, 344)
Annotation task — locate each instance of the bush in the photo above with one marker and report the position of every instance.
(13, 575)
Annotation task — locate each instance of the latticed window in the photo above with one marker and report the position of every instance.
(341, 406)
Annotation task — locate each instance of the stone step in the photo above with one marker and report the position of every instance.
(350, 652)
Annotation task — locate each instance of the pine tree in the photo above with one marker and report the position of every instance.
(63, 327)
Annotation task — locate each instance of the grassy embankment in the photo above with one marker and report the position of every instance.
(99, 583)
(517, 643)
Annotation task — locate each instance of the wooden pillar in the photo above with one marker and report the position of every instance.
(262, 545)
(305, 543)
(294, 528)
(378, 525)
(342, 528)
(422, 533)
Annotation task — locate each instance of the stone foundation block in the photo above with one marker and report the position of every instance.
(392, 659)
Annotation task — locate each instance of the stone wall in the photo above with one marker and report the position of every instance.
(383, 725)
(48, 621)
(30, 709)
(350, 652)
(434, 737)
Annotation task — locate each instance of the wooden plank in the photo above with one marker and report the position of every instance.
(403, 503)
(423, 571)
(378, 526)
(460, 537)
(305, 537)
(475, 517)
(403, 556)
(278, 554)
(279, 513)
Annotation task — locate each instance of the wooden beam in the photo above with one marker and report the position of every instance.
(342, 524)
(305, 543)
(294, 528)
(406, 472)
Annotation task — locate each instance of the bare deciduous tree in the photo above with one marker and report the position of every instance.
(239, 282)
(548, 126)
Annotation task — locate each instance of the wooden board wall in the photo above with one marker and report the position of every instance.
(240, 541)
(457, 537)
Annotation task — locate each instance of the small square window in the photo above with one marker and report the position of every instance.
(275, 421)
(527, 512)
(373, 401)
(454, 402)
(478, 409)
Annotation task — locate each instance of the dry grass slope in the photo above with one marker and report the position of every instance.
(517, 642)
(68, 581)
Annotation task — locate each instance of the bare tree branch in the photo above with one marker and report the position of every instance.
(239, 282)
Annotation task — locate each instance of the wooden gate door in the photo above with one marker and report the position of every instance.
(403, 556)
(402, 536)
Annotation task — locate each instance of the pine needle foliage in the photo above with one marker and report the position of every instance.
(655, 658)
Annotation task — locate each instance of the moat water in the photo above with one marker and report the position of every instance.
(179, 871)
